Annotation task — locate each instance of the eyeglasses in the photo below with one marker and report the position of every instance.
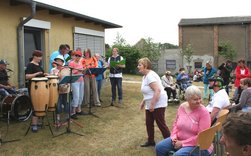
(78, 55)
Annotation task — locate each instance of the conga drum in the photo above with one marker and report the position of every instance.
(64, 88)
(39, 95)
(53, 92)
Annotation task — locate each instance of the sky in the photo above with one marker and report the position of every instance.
(157, 19)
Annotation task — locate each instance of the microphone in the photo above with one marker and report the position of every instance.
(9, 70)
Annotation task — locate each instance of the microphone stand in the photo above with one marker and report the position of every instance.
(91, 95)
(68, 128)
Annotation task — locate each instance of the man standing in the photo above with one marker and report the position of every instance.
(220, 99)
(225, 71)
(209, 71)
(116, 75)
(5, 87)
(63, 50)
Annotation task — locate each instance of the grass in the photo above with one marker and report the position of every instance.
(117, 131)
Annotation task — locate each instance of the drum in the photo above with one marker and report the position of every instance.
(64, 88)
(39, 95)
(53, 92)
(23, 91)
(66, 71)
(19, 106)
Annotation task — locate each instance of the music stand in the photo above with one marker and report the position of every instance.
(70, 79)
(95, 71)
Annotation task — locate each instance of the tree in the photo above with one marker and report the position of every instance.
(187, 53)
(227, 51)
(148, 49)
(119, 40)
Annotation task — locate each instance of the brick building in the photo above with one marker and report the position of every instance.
(205, 34)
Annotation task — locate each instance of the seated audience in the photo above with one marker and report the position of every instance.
(237, 134)
(183, 79)
(169, 85)
(192, 118)
(220, 99)
(245, 98)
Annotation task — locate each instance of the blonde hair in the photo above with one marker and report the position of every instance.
(145, 62)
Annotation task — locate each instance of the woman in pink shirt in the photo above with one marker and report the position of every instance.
(78, 86)
(192, 117)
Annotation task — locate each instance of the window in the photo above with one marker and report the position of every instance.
(198, 65)
(170, 64)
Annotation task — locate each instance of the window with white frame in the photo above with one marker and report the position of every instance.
(170, 64)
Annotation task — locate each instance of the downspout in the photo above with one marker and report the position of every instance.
(20, 45)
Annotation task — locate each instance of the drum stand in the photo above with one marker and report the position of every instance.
(68, 128)
(48, 123)
(8, 122)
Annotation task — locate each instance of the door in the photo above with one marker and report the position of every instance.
(32, 41)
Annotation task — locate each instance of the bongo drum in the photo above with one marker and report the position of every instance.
(39, 95)
(64, 88)
(53, 92)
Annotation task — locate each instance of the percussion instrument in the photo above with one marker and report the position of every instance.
(23, 91)
(66, 71)
(39, 95)
(64, 88)
(19, 106)
(53, 92)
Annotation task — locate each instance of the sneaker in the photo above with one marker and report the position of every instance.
(112, 103)
(81, 113)
(170, 100)
(34, 128)
(98, 104)
(120, 102)
(74, 116)
(176, 100)
(147, 144)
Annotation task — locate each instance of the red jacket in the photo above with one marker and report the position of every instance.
(240, 76)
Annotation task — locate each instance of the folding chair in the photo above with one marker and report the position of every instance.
(221, 118)
(205, 139)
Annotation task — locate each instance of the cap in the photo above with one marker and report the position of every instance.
(59, 57)
(209, 62)
(168, 72)
(78, 53)
(217, 79)
(4, 62)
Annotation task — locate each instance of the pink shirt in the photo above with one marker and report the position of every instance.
(75, 65)
(187, 126)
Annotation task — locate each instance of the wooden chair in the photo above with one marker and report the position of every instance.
(205, 139)
(221, 118)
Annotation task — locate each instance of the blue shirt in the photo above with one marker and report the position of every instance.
(100, 76)
(54, 55)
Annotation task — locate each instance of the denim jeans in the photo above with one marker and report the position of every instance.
(99, 85)
(77, 93)
(62, 101)
(206, 88)
(116, 83)
(165, 146)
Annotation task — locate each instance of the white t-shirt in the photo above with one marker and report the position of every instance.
(219, 100)
(148, 92)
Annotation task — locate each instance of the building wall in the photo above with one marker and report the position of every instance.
(236, 35)
(201, 39)
(169, 54)
(61, 32)
(205, 40)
